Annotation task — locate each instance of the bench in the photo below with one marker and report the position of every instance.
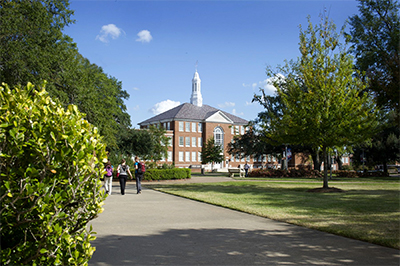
(239, 171)
(393, 171)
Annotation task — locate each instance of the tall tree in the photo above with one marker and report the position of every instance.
(325, 105)
(33, 49)
(211, 153)
(31, 39)
(375, 35)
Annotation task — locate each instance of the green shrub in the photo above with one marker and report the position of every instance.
(49, 187)
(283, 173)
(355, 174)
(167, 174)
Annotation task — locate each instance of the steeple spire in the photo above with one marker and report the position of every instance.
(196, 97)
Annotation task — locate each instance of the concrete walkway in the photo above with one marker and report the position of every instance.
(155, 228)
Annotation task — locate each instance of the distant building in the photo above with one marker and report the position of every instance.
(190, 125)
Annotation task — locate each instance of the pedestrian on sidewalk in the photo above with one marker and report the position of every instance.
(122, 173)
(108, 177)
(139, 172)
(246, 169)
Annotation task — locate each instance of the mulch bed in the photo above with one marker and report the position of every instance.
(326, 190)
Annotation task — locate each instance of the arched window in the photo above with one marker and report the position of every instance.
(219, 136)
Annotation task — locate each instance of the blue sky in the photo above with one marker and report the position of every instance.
(152, 47)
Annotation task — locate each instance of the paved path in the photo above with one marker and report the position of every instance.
(155, 228)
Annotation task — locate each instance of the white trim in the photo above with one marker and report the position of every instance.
(219, 117)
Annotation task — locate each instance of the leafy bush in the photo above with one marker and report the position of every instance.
(49, 187)
(167, 174)
(355, 174)
(344, 173)
(283, 173)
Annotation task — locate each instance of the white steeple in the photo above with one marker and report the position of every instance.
(196, 97)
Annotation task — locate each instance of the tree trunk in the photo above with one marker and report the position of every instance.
(385, 168)
(316, 160)
(325, 167)
(339, 162)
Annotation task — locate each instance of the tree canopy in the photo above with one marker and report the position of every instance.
(33, 48)
(375, 38)
(324, 104)
(375, 35)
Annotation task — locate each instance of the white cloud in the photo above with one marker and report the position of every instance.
(163, 106)
(266, 85)
(236, 113)
(144, 36)
(109, 31)
(226, 104)
(136, 89)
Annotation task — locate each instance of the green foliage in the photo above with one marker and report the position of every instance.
(285, 173)
(324, 104)
(167, 174)
(149, 144)
(343, 173)
(33, 48)
(375, 34)
(211, 153)
(49, 188)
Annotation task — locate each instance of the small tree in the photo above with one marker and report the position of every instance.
(211, 153)
(50, 165)
(324, 104)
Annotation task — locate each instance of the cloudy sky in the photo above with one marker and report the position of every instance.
(153, 47)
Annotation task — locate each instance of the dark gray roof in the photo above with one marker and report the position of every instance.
(190, 112)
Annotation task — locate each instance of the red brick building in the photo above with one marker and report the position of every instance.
(190, 125)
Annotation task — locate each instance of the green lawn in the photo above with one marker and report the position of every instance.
(368, 210)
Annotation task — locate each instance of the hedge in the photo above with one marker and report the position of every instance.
(354, 174)
(167, 174)
(285, 173)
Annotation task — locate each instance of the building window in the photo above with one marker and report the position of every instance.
(193, 141)
(168, 126)
(236, 130)
(180, 141)
(199, 155)
(200, 142)
(200, 128)
(187, 155)
(181, 156)
(242, 130)
(219, 136)
(187, 141)
(181, 126)
(193, 156)
(193, 127)
(169, 156)
(187, 126)
(232, 130)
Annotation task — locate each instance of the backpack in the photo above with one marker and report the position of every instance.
(141, 168)
(109, 170)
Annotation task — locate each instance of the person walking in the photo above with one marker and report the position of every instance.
(139, 172)
(122, 173)
(108, 177)
(246, 169)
